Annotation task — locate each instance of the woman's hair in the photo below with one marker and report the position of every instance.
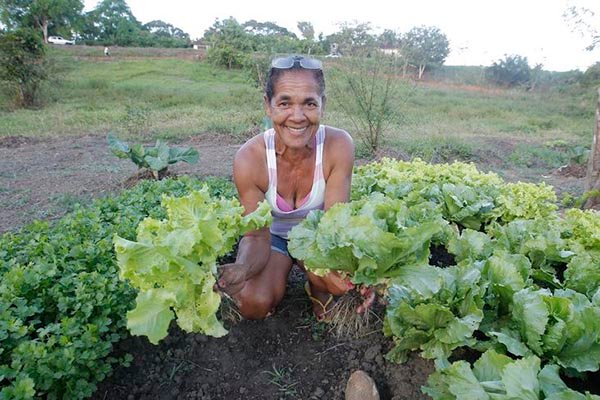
(275, 75)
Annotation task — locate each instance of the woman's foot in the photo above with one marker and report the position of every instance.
(322, 302)
(361, 386)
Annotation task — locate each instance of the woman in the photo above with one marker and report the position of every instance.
(298, 166)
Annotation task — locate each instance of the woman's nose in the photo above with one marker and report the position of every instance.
(297, 112)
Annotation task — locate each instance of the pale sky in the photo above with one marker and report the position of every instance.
(480, 31)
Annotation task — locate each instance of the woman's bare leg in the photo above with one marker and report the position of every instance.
(263, 292)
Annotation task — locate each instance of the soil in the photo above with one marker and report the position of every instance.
(45, 178)
(287, 356)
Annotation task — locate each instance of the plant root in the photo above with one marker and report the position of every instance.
(345, 322)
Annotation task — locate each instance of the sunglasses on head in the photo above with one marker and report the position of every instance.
(289, 62)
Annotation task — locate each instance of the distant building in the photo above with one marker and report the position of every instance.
(391, 52)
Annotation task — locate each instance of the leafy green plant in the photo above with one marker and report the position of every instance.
(154, 158)
(62, 306)
(173, 263)
(497, 376)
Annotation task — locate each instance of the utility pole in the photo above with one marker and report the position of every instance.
(593, 173)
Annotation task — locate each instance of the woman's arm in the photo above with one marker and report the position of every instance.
(339, 158)
(255, 247)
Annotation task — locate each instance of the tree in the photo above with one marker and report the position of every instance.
(266, 29)
(425, 47)
(112, 22)
(307, 30)
(22, 67)
(389, 39)
(512, 71)
(59, 15)
(229, 42)
(166, 35)
(592, 182)
(353, 38)
(584, 21)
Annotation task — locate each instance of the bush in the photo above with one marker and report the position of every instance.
(591, 76)
(22, 65)
(511, 71)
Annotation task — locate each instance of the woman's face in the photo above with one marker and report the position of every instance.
(296, 108)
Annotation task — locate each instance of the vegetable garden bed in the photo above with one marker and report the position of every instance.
(522, 280)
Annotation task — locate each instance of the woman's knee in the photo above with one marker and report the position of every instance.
(257, 305)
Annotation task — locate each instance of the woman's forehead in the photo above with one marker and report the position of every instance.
(295, 80)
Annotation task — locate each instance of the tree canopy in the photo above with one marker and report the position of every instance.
(425, 47)
(56, 16)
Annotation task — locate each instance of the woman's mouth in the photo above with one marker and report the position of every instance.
(297, 130)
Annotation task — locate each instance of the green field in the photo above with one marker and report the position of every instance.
(174, 94)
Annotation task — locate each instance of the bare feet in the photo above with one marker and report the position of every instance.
(361, 386)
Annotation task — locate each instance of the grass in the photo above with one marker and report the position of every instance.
(282, 379)
(170, 97)
(169, 93)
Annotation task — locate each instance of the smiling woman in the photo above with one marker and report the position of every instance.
(297, 166)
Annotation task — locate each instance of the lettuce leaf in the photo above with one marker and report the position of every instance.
(173, 262)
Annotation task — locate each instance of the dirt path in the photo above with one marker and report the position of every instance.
(41, 179)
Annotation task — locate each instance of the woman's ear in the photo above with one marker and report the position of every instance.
(323, 103)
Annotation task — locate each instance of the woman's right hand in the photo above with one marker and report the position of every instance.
(232, 278)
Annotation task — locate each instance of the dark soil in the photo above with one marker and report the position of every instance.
(287, 356)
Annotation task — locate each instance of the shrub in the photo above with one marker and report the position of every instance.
(512, 71)
(22, 65)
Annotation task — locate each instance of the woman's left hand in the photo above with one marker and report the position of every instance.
(368, 293)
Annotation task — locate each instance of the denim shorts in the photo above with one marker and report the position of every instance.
(280, 245)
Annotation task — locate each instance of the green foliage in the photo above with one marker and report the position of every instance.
(229, 44)
(591, 76)
(467, 197)
(22, 65)
(47, 16)
(497, 376)
(425, 47)
(433, 309)
(354, 39)
(501, 271)
(368, 90)
(512, 71)
(173, 262)
(367, 239)
(112, 22)
(155, 158)
(63, 306)
(166, 35)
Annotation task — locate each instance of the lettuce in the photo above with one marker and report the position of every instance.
(433, 309)
(498, 377)
(173, 262)
(562, 327)
(369, 239)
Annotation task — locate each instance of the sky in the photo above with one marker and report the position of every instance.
(479, 31)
